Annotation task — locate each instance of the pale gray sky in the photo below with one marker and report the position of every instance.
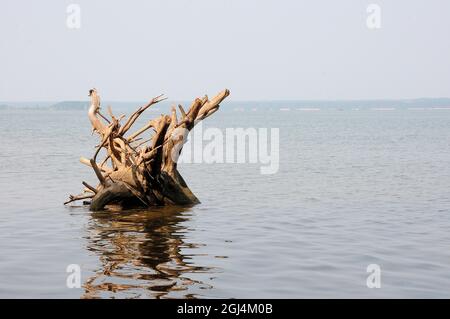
(260, 49)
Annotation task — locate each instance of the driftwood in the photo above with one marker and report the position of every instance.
(136, 171)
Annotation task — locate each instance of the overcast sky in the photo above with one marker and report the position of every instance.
(260, 49)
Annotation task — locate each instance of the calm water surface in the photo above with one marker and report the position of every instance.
(354, 188)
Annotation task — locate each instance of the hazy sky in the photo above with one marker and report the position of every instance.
(260, 49)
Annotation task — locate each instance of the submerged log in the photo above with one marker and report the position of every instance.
(136, 173)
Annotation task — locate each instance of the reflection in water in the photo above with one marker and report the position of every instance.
(141, 255)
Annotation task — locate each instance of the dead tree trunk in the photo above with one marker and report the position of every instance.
(140, 172)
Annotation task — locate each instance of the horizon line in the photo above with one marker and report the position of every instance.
(235, 100)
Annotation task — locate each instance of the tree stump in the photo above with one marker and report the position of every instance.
(139, 172)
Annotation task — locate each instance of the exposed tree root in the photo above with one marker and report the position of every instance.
(138, 171)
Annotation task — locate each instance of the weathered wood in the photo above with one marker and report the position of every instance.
(145, 174)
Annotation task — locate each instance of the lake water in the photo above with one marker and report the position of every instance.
(354, 187)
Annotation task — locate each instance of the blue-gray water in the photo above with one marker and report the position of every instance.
(355, 187)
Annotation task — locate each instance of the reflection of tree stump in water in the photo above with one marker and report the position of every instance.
(141, 255)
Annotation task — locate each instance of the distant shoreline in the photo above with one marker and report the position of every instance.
(340, 104)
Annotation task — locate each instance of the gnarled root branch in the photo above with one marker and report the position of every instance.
(138, 173)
